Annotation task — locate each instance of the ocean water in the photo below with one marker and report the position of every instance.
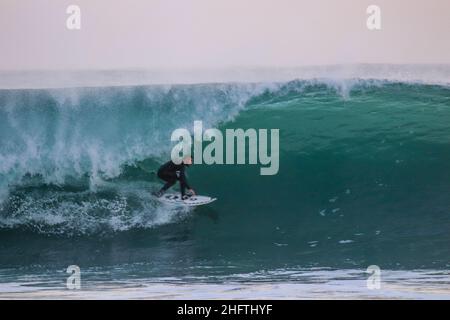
(364, 180)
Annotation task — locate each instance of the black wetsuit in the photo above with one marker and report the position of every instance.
(171, 172)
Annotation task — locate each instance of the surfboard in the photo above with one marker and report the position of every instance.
(193, 201)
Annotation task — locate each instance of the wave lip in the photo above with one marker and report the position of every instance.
(427, 74)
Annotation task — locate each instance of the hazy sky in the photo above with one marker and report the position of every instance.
(220, 33)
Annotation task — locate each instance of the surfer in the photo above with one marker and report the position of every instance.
(171, 173)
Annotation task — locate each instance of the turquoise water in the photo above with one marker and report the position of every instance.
(364, 179)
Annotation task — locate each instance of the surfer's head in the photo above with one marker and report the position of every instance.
(187, 160)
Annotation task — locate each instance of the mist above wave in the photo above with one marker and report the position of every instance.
(430, 74)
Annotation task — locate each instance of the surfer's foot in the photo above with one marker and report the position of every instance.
(185, 197)
(157, 194)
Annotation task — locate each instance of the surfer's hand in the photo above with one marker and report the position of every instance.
(192, 192)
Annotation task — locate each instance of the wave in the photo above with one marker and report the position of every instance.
(77, 161)
(60, 134)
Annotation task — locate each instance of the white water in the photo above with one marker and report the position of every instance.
(305, 284)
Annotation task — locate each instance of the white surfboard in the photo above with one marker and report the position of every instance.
(173, 198)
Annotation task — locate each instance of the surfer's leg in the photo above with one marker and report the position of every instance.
(168, 185)
(164, 188)
(169, 178)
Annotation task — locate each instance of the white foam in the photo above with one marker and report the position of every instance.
(79, 213)
(274, 284)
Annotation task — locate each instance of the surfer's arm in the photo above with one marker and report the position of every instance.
(183, 179)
